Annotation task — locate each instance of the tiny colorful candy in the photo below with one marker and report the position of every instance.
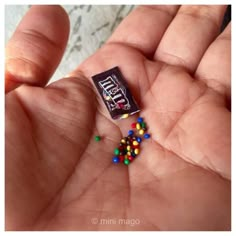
(143, 125)
(121, 145)
(138, 127)
(126, 161)
(136, 151)
(121, 158)
(115, 159)
(140, 119)
(147, 136)
(141, 131)
(124, 116)
(130, 132)
(133, 154)
(130, 158)
(97, 138)
(135, 143)
(121, 153)
(122, 140)
(117, 151)
(133, 125)
(139, 140)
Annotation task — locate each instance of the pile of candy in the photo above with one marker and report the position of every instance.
(129, 146)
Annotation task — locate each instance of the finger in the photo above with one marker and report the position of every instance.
(189, 35)
(215, 66)
(36, 47)
(144, 27)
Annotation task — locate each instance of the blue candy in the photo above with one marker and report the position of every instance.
(139, 140)
(147, 136)
(133, 154)
(130, 132)
(140, 119)
(115, 159)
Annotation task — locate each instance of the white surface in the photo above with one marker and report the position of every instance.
(90, 26)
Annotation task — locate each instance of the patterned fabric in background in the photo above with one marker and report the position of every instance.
(90, 27)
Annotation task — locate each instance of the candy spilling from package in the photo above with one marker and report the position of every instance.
(117, 97)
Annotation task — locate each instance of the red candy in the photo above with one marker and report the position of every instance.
(130, 158)
(121, 158)
(133, 125)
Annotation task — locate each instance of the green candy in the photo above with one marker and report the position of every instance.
(143, 125)
(126, 162)
(97, 138)
(117, 151)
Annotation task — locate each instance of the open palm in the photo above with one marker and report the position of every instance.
(59, 178)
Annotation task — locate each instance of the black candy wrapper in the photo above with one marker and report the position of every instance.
(115, 93)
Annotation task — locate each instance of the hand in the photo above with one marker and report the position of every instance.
(178, 69)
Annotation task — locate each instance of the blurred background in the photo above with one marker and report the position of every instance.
(90, 27)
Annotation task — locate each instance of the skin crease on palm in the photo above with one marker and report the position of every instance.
(178, 68)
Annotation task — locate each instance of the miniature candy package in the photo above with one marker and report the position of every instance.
(115, 93)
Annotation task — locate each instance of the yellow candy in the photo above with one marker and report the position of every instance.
(128, 153)
(135, 143)
(124, 116)
(138, 127)
(141, 132)
(122, 141)
(128, 148)
(136, 151)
